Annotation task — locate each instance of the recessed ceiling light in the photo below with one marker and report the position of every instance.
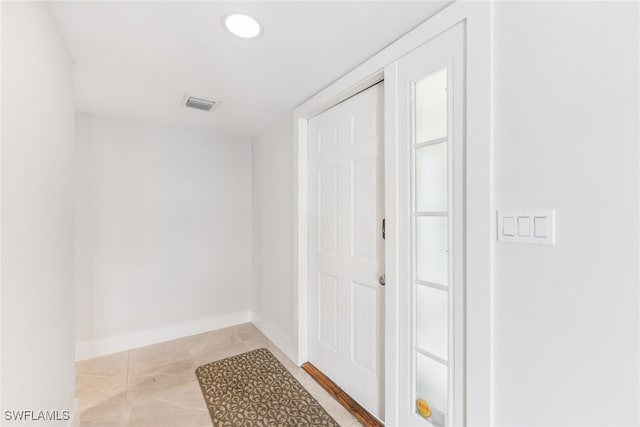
(242, 25)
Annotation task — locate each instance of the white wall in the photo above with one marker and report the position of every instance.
(566, 138)
(163, 232)
(37, 212)
(273, 303)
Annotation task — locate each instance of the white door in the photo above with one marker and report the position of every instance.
(431, 223)
(346, 258)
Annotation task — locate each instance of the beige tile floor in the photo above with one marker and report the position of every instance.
(156, 386)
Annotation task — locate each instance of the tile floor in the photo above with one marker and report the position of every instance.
(156, 386)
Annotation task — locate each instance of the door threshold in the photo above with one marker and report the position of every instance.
(357, 410)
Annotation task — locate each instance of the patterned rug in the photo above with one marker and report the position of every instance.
(254, 389)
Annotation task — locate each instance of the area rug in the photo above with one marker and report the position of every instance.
(254, 389)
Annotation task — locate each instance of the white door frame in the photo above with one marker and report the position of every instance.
(479, 221)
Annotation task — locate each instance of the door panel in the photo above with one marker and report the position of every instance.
(346, 247)
(364, 212)
(363, 297)
(328, 209)
(328, 310)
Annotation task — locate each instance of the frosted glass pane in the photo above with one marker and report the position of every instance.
(432, 260)
(431, 107)
(432, 384)
(431, 178)
(432, 307)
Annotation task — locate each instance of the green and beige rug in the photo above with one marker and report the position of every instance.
(254, 389)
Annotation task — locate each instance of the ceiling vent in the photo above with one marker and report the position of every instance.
(200, 104)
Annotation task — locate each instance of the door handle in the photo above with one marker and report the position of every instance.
(381, 280)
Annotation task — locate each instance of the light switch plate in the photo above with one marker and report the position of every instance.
(533, 227)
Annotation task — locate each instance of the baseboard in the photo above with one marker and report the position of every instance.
(89, 349)
(280, 339)
(74, 420)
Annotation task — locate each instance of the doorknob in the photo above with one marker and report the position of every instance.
(381, 280)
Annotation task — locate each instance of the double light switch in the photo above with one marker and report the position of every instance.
(536, 227)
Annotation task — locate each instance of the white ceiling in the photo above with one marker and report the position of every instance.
(139, 59)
